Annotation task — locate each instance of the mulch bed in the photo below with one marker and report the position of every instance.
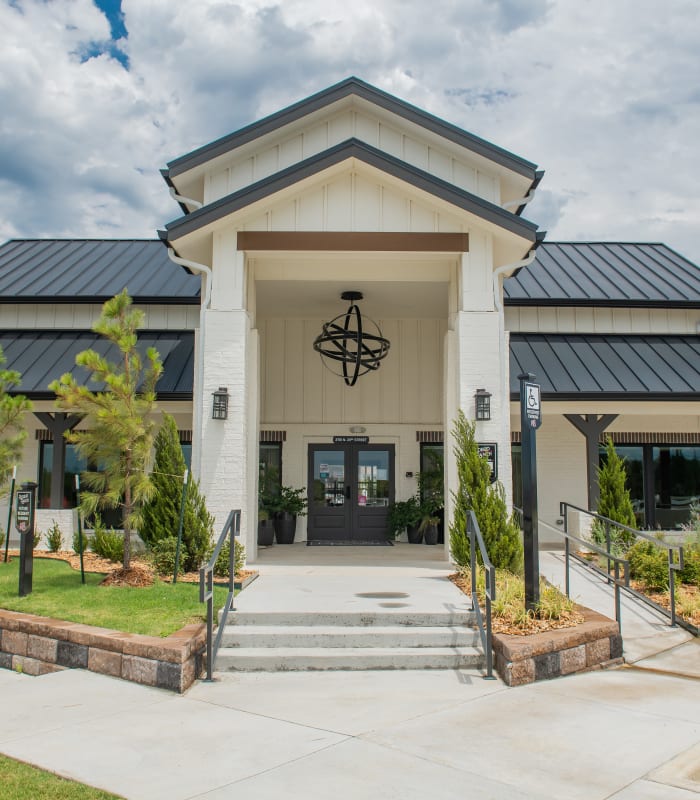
(140, 574)
(569, 619)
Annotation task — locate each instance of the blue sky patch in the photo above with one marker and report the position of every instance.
(112, 9)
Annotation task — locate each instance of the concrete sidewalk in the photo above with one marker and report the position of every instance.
(648, 640)
(629, 734)
(623, 734)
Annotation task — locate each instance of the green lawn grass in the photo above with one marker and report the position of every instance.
(157, 610)
(20, 781)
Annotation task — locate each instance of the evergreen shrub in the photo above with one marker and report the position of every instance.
(163, 556)
(54, 537)
(106, 543)
(615, 502)
(500, 531)
(161, 514)
(221, 566)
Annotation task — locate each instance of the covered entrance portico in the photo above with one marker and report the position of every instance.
(355, 191)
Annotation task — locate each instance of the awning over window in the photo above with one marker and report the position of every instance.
(590, 367)
(43, 356)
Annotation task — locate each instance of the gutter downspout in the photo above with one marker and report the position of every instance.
(206, 273)
(510, 204)
(505, 354)
(182, 200)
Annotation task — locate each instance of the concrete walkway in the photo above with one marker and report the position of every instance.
(628, 733)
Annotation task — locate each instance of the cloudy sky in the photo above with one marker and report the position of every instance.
(604, 95)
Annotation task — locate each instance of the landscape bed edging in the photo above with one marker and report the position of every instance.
(594, 644)
(39, 645)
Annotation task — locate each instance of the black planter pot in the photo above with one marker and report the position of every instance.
(430, 534)
(285, 527)
(414, 535)
(266, 532)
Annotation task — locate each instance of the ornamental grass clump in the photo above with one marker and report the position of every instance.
(555, 609)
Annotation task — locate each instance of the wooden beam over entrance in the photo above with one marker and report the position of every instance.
(344, 241)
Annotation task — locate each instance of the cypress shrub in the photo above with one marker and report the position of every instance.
(161, 515)
(615, 502)
(499, 529)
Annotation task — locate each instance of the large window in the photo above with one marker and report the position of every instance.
(663, 480)
(75, 464)
(270, 465)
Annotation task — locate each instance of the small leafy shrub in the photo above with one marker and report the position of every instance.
(163, 556)
(54, 537)
(107, 543)
(620, 540)
(2, 536)
(649, 564)
(77, 549)
(691, 566)
(221, 567)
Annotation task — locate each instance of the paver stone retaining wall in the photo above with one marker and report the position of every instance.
(595, 644)
(37, 645)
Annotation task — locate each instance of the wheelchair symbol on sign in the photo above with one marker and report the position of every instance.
(532, 399)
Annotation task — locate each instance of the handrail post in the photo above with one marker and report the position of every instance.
(210, 625)
(608, 546)
(566, 566)
(617, 596)
(472, 555)
(489, 633)
(672, 587)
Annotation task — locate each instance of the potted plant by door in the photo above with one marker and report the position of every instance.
(266, 528)
(405, 515)
(429, 525)
(289, 504)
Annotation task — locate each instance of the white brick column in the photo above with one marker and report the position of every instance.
(225, 444)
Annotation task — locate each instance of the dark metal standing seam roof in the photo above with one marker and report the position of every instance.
(351, 148)
(92, 270)
(332, 94)
(41, 357)
(580, 367)
(605, 274)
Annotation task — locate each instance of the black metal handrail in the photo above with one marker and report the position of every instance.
(674, 565)
(232, 528)
(485, 631)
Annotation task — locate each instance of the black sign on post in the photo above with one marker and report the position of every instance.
(490, 453)
(24, 522)
(530, 421)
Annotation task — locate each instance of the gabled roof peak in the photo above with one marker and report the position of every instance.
(345, 88)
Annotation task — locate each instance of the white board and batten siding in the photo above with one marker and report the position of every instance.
(292, 144)
(563, 319)
(297, 388)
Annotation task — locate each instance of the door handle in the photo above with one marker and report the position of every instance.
(347, 492)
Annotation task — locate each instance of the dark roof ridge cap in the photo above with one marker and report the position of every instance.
(349, 148)
(326, 97)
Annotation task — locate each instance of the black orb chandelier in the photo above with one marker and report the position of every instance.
(351, 342)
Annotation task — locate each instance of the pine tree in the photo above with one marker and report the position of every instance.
(119, 434)
(12, 432)
(500, 532)
(161, 514)
(615, 502)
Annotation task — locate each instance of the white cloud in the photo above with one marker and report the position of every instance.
(601, 95)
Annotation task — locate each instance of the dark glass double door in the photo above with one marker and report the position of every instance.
(350, 489)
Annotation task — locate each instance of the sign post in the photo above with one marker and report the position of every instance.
(24, 523)
(530, 421)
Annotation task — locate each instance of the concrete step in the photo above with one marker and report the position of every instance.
(335, 636)
(287, 659)
(352, 618)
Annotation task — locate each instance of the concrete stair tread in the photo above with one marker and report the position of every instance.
(283, 659)
(348, 629)
(353, 619)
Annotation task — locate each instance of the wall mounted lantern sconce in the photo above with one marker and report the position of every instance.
(352, 342)
(219, 407)
(482, 399)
